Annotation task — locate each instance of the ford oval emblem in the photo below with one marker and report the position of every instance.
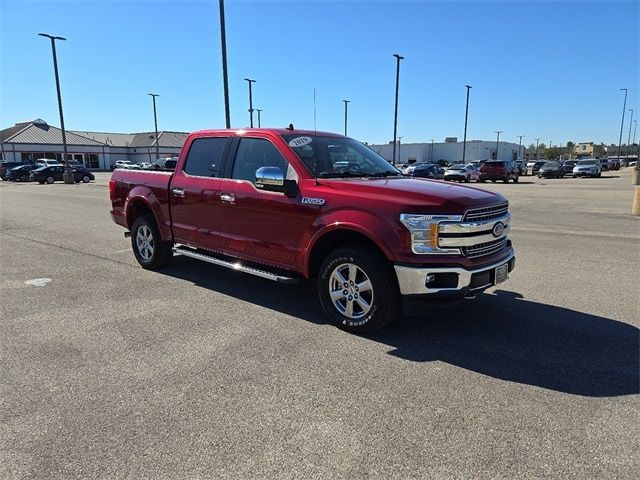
(498, 229)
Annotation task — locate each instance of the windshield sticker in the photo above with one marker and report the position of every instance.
(300, 142)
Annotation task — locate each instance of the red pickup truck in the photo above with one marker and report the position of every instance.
(287, 205)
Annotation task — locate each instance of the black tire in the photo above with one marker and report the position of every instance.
(383, 299)
(493, 180)
(161, 252)
(41, 182)
(516, 179)
(50, 180)
(599, 174)
(481, 180)
(467, 179)
(86, 179)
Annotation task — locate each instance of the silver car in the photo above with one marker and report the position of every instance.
(462, 173)
(588, 167)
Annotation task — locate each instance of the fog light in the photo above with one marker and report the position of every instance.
(430, 278)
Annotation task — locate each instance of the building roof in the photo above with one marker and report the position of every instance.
(111, 139)
(165, 139)
(41, 133)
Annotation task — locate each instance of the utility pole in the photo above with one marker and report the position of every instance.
(624, 108)
(345, 116)
(68, 174)
(537, 142)
(225, 77)
(250, 102)
(630, 123)
(520, 147)
(399, 146)
(258, 110)
(155, 122)
(498, 141)
(466, 115)
(395, 116)
(431, 159)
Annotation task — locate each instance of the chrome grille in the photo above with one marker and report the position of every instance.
(486, 213)
(487, 248)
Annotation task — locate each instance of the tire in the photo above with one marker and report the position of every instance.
(493, 180)
(599, 174)
(24, 178)
(358, 265)
(150, 250)
(481, 180)
(86, 179)
(467, 179)
(41, 182)
(575, 176)
(50, 180)
(516, 179)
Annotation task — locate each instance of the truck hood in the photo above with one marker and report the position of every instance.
(416, 192)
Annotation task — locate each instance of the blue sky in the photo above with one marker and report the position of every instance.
(541, 69)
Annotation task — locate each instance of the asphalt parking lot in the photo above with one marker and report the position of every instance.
(109, 370)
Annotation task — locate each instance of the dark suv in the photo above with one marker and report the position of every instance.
(6, 166)
(499, 170)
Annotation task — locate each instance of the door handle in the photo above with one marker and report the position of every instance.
(178, 192)
(228, 197)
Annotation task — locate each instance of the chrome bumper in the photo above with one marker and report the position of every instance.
(412, 280)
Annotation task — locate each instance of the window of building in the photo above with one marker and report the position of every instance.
(91, 160)
(205, 157)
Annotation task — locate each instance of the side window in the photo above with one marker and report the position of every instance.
(205, 156)
(254, 153)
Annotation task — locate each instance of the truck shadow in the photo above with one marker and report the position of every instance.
(500, 334)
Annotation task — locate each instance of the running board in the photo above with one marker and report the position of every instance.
(187, 252)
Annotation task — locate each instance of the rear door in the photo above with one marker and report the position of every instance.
(196, 208)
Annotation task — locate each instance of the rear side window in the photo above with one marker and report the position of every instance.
(205, 157)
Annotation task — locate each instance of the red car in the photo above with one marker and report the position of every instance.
(499, 170)
(288, 204)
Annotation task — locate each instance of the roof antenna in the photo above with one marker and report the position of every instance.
(290, 127)
(315, 129)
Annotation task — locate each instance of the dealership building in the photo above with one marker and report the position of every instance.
(450, 150)
(28, 141)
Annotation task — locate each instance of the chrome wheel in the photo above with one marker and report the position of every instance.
(351, 291)
(145, 242)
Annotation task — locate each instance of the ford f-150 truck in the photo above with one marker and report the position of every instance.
(287, 205)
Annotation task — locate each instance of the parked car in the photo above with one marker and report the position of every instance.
(428, 170)
(567, 167)
(6, 166)
(537, 166)
(614, 163)
(550, 170)
(120, 164)
(55, 173)
(45, 162)
(522, 168)
(144, 165)
(131, 166)
(495, 170)
(530, 164)
(604, 164)
(462, 173)
(375, 241)
(587, 168)
(21, 173)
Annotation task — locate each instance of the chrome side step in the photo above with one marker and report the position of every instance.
(188, 252)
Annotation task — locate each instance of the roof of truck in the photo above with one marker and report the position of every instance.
(278, 131)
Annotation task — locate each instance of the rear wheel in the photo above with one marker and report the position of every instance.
(357, 289)
(150, 250)
(86, 179)
(50, 180)
(515, 179)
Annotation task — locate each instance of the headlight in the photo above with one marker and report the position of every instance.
(424, 232)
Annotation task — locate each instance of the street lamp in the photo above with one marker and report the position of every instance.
(520, 147)
(399, 146)
(498, 141)
(431, 159)
(395, 116)
(345, 116)
(68, 174)
(635, 126)
(258, 110)
(537, 142)
(225, 77)
(250, 101)
(466, 114)
(155, 122)
(630, 122)
(624, 107)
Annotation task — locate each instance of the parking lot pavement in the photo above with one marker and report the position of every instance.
(109, 370)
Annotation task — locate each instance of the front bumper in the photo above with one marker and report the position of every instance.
(449, 281)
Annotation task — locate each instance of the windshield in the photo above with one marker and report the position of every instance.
(339, 157)
(586, 162)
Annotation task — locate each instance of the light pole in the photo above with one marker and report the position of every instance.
(68, 174)
(466, 115)
(630, 122)
(258, 110)
(155, 122)
(345, 116)
(520, 147)
(395, 116)
(225, 77)
(635, 126)
(537, 142)
(250, 101)
(624, 107)
(431, 159)
(399, 146)
(497, 141)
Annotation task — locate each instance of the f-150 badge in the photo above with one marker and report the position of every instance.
(313, 201)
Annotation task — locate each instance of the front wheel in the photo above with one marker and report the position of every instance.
(50, 180)
(86, 179)
(150, 250)
(515, 179)
(357, 289)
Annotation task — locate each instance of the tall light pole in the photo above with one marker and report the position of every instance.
(466, 115)
(520, 147)
(258, 110)
(395, 116)
(155, 122)
(497, 141)
(399, 146)
(630, 122)
(250, 101)
(635, 126)
(537, 143)
(346, 102)
(431, 159)
(225, 77)
(624, 108)
(68, 174)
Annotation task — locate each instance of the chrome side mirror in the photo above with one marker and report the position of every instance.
(269, 178)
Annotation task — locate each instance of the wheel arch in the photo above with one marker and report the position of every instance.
(142, 201)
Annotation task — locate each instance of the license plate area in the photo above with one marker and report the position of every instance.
(501, 274)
